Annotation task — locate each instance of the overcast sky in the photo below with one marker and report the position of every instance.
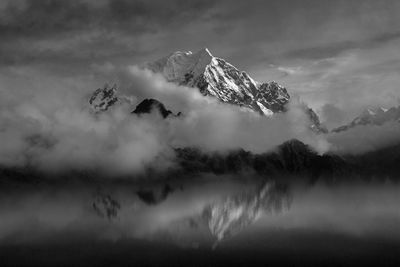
(339, 56)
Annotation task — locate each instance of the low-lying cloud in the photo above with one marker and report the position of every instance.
(211, 125)
(365, 138)
(45, 122)
(49, 125)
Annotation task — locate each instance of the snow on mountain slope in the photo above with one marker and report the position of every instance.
(372, 116)
(216, 77)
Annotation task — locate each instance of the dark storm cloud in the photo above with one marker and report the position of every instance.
(49, 29)
(158, 12)
(246, 33)
(43, 18)
(40, 18)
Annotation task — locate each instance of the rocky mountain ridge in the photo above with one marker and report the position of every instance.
(216, 77)
(372, 116)
(213, 77)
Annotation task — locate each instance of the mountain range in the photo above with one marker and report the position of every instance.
(372, 116)
(213, 77)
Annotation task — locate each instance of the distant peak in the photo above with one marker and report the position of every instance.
(147, 105)
(103, 98)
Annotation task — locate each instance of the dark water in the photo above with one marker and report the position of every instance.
(210, 222)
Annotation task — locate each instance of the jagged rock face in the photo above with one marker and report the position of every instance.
(273, 96)
(377, 116)
(316, 125)
(104, 98)
(215, 77)
(148, 105)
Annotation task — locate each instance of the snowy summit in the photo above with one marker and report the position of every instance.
(218, 78)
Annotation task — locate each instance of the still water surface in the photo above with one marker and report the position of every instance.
(203, 222)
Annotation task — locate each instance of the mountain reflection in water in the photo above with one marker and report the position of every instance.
(230, 215)
(254, 219)
(224, 216)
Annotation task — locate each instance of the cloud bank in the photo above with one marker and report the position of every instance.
(49, 125)
(365, 138)
(45, 122)
(329, 52)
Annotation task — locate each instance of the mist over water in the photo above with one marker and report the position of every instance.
(210, 215)
(121, 147)
(197, 218)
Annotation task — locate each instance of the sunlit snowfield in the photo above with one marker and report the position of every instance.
(213, 220)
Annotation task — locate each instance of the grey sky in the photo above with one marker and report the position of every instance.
(344, 53)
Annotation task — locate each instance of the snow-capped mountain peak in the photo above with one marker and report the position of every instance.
(216, 77)
(177, 65)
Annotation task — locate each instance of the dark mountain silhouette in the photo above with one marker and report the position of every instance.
(291, 160)
(148, 105)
